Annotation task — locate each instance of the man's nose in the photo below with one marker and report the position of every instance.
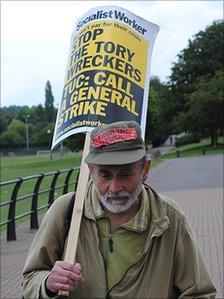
(115, 185)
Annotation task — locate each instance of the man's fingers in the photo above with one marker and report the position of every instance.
(68, 272)
(64, 276)
(79, 271)
(67, 277)
(70, 267)
(64, 280)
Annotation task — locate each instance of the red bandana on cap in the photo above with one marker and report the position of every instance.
(113, 136)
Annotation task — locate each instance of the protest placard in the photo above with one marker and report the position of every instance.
(107, 75)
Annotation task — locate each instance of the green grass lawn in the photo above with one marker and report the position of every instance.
(196, 149)
(15, 167)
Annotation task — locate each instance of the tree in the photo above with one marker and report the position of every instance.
(24, 111)
(206, 106)
(39, 116)
(200, 61)
(159, 114)
(6, 118)
(49, 103)
(14, 110)
(202, 57)
(38, 126)
(43, 136)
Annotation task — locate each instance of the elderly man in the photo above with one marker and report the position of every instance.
(133, 242)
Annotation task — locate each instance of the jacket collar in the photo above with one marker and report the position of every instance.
(159, 218)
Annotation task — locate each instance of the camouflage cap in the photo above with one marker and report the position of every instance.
(116, 144)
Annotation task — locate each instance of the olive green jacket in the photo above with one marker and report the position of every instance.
(171, 265)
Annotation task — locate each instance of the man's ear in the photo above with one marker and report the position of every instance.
(146, 168)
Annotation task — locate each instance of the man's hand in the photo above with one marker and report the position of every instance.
(64, 276)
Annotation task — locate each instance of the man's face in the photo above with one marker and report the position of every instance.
(119, 187)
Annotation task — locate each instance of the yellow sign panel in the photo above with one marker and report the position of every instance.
(96, 48)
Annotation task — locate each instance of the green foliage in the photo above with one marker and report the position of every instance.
(158, 116)
(39, 115)
(13, 110)
(196, 84)
(41, 120)
(14, 135)
(23, 112)
(49, 103)
(5, 120)
(43, 136)
(206, 105)
(202, 57)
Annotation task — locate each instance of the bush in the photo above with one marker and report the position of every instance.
(14, 135)
(187, 139)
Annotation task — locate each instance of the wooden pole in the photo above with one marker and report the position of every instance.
(73, 234)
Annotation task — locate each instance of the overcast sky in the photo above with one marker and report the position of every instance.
(36, 37)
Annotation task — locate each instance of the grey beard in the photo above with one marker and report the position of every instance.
(118, 205)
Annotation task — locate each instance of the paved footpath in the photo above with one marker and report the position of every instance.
(195, 183)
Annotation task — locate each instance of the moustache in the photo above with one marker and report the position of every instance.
(118, 195)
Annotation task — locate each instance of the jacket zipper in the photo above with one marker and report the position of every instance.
(111, 248)
(110, 240)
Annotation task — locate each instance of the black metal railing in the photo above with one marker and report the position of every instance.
(15, 197)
